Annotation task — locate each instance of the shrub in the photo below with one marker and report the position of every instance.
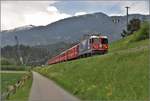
(142, 33)
(133, 26)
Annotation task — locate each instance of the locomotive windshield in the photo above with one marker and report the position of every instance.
(94, 40)
(104, 41)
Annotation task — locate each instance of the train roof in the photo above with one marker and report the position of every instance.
(103, 36)
(95, 36)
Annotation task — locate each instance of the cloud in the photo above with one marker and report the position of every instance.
(46, 17)
(52, 9)
(136, 7)
(19, 13)
(118, 7)
(141, 7)
(80, 13)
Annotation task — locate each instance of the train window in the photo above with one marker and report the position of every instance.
(90, 40)
(94, 40)
(104, 41)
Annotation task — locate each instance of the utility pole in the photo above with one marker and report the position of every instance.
(127, 15)
(18, 50)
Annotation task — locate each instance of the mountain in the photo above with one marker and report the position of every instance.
(20, 28)
(70, 29)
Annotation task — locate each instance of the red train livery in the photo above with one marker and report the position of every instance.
(92, 45)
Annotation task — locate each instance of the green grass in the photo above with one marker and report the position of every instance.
(9, 79)
(114, 76)
(136, 40)
(15, 67)
(122, 74)
(22, 94)
(124, 44)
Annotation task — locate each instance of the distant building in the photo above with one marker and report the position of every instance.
(115, 20)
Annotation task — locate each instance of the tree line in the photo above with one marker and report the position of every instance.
(32, 55)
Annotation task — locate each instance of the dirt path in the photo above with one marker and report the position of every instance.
(44, 89)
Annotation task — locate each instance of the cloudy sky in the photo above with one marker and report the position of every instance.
(20, 13)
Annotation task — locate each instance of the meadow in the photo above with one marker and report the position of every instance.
(9, 79)
(117, 76)
(122, 74)
(22, 93)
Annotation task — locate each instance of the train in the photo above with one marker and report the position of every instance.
(94, 44)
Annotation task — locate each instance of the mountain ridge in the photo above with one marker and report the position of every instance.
(71, 29)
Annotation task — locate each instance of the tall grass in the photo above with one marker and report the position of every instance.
(121, 75)
(22, 94)
(9, 79)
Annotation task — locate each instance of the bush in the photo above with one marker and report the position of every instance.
(142, 33)
(133, 26)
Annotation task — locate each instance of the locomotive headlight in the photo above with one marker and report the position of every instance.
(100, 45)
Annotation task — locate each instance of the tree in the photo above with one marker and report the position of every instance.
(124, 33)
(133, 26)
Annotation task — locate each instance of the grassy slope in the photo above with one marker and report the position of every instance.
(113, 76)
(122, 74)
(22, 94)
(125, 44)
(9, 79)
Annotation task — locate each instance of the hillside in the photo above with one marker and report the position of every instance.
(122, 74)
(69, 29)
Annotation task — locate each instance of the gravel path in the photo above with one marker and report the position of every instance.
(44, 89)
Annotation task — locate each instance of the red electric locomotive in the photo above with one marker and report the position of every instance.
(94, 44)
